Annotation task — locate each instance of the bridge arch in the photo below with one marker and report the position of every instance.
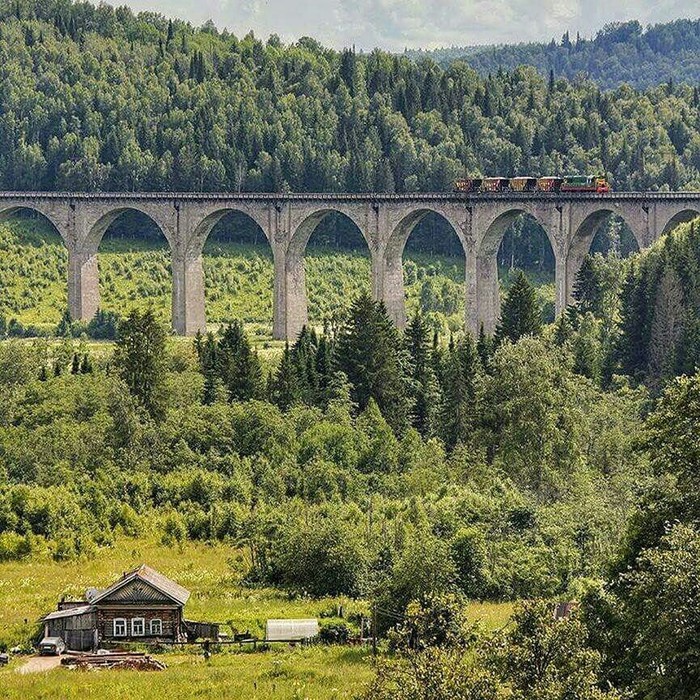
(496, 229)
(582, 239)
(487, 303)
(393, 283)
(296, 299)
(133, 261)
(220, 237)
(681, 217)
(33, 299)
(96, 229)
(9, 211)
(305, 228)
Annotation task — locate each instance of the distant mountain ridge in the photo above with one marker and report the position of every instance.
(622, 52)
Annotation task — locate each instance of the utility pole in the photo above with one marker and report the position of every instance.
(374, 628)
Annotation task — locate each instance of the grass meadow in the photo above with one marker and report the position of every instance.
(30, 588)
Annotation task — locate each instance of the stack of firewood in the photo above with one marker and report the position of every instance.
(131, 660)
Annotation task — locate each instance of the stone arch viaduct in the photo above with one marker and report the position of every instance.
(385, 220)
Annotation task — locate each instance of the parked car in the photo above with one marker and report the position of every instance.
(51, 646)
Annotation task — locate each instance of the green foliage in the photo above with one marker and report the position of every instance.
(648, 619)
(520, 314)
(139, 359)
(322, 555)
(659, 312)
(620, 53)
(542, 657)
(237, 113)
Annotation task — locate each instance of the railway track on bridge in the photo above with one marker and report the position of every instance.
(369, 197)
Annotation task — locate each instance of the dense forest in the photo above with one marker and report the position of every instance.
(97, 98)
(621, 52)
(403, 468)
(413, 470)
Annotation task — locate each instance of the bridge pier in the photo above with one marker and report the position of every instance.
(188, 313)
(488, 293)
(392, 291)
(289, 306)
(563, 287)
(83, 284)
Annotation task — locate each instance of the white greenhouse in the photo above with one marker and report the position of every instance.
(291, 630)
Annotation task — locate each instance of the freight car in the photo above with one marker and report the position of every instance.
(568, 183)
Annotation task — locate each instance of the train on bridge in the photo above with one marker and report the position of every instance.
(568, 183)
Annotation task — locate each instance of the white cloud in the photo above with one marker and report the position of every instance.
(395, 24)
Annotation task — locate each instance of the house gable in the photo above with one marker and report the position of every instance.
(144, 585)
(136, 591)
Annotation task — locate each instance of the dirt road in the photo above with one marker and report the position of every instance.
(40, 664)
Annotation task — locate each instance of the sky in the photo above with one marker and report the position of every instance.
(398, 24)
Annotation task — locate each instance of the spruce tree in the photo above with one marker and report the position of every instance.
(63, 330)
(75, 364)
(284, 389)
(484, 347)
(520, 314)
(460, 402)
(238, 365)
(139, 359)
(303, 359)
(423, 385)
(324, 370)
(207, 352)
(588, 288)
(563, 329)
(369, 351)
(86, 365)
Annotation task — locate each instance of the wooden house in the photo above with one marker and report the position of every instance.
(142, 606)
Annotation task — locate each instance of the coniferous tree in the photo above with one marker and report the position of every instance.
(63, 330)
(484, 347)
(563, 329)
(238, 365)
(369, 351)
(86, 364)
(460, 400)
(139, 359)
(284, 388)
(207, 353)
(633, 322)
(588, 288)
(303, 359)
(75, 364)
(423, 384)
(324, 369)
(520, 314)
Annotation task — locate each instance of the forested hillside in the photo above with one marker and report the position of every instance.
(621, 52)
(97, 98)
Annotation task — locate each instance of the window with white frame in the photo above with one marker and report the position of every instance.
(119, 627)
(137, 627)
(156, 627)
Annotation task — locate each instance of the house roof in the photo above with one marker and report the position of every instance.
(161, 583)
(70, 612)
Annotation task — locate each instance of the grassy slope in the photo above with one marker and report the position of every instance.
(212, 574)
(239, 279)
